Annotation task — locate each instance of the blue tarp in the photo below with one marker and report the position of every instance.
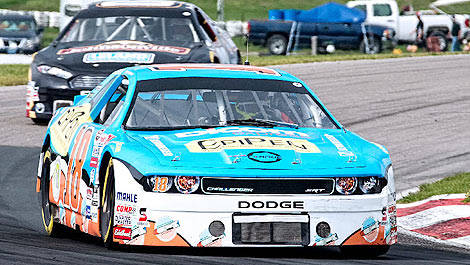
(332, 13)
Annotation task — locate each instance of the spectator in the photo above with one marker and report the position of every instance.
(419, 30)
(455, 32)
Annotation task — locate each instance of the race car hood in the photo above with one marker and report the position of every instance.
(106, 57)
(254, 148)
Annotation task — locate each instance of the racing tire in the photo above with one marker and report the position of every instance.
(107, 207)
(443, 43)
(375, 45)
(277, 44)
(52, 228)
(364, 251)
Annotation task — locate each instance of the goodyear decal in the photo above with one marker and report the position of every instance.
(241, 142)
(66, 125)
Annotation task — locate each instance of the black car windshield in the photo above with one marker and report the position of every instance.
(17, 25)
(174, 103)
(138, 28)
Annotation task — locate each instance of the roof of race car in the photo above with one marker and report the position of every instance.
(206, 70)
(123, 8)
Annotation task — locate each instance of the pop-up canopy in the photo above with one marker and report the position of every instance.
(332, 13)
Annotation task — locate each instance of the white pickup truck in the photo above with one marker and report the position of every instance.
(386, 13)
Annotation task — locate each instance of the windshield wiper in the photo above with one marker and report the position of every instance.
(262, 122)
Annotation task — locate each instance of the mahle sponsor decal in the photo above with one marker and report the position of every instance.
(241, 142)
(264, 157)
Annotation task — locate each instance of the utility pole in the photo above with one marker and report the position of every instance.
(220, 10)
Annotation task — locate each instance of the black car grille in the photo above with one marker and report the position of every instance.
(270, 233)
(85, 81)
(267, 185)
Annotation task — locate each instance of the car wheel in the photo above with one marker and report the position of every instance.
(364, 251)
(277, 44)
(443, 44)
(47, 209)
(375, 45)
(107, 206)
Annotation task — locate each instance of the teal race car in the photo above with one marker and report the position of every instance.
(213, 155)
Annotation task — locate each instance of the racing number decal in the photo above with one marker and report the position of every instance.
(74, 173)
(161, 184)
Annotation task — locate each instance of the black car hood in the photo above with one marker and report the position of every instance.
(106, 57)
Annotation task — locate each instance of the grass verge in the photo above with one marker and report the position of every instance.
(459, 183)
(13, 74)
(275, 60)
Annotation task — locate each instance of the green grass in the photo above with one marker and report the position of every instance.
(459, 183)
(39, 5)
(48, 36)
(234, 9)
(13, 74)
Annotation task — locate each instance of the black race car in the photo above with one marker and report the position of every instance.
(19, 34)
(110, 35)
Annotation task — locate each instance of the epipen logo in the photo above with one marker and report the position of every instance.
(240, 142)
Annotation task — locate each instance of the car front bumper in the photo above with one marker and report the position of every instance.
(169, 219)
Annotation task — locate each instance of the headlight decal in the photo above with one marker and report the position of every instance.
(55, 71)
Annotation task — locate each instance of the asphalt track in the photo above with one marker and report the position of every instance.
(418, 107)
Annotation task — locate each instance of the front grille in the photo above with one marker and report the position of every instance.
(85, 81)
(270, 232)
(267, 185)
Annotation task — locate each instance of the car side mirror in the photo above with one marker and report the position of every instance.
(78, 98)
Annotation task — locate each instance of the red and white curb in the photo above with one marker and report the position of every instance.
(442, 218)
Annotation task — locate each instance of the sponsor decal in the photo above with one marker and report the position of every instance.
(271, 204)
(208, 240)
(155, 140)
(143, 218)
(370, 229)
(264, 157)
(327, 241)
(242, 142)
(243, 131)
(119, 57)
(165, 228)
(121, 219)
(94, 162)
(88, 212)
(125, 209)
(122, 233)
(89, 193)
(126, 46)
(222, 189)
(342, 150)
(314, 190)
(118, 146)
(127, 197)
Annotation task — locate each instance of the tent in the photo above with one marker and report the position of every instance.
(332, 13)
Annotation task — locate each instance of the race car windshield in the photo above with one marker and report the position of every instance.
(210, 102)
(152, 29)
